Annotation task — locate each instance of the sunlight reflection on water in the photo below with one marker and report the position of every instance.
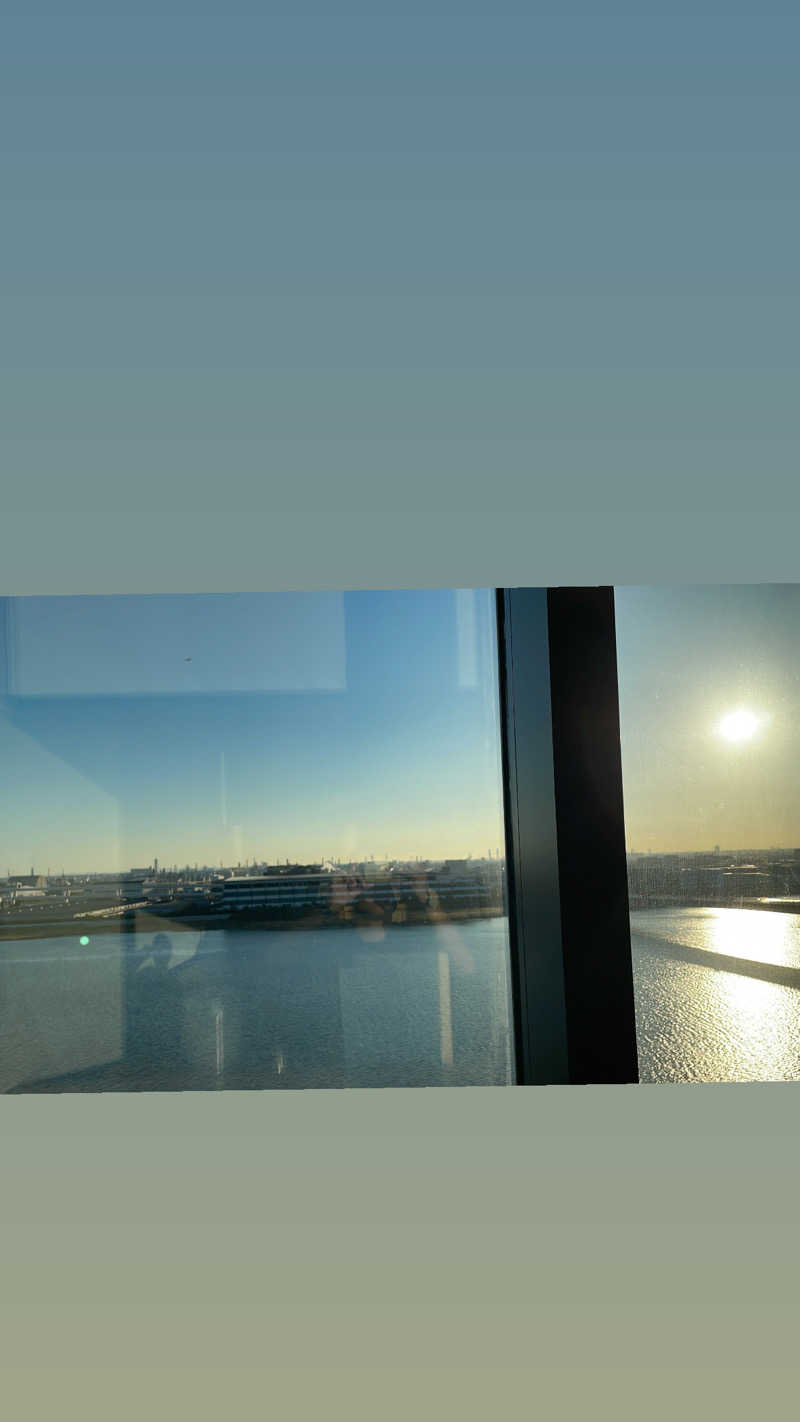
(700, 1023)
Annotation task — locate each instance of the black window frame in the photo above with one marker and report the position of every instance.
(566, 866)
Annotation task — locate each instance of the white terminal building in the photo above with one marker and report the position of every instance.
(270, 891)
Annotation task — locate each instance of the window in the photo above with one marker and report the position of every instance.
(454, 837)
(252, 842)
(709, 690)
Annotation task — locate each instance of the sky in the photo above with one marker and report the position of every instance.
(284, 725)
(688, 657)
(208, 728)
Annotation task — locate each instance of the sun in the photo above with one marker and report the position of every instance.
(739, 725)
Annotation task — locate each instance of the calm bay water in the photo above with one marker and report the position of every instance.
(423, 1006)
(243, 1009)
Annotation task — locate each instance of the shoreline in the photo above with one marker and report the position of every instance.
(752, 905)
(139, 922)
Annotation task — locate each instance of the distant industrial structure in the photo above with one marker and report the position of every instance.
(740, 876)
(397, 889)
(273, 892)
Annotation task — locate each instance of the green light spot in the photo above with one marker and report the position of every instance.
(84, 941)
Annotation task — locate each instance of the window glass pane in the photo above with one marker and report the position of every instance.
(252, 842)
(709, 684)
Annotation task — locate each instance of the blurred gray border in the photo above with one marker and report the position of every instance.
(519, 1245)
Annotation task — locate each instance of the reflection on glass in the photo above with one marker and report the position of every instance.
(251, 842)
(709, 710)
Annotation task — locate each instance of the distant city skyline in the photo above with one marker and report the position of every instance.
(220, 728)
(248, 864)
(764, 848)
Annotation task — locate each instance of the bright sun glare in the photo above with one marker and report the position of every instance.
(739, 725)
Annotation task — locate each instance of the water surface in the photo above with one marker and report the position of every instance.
(417, 1006)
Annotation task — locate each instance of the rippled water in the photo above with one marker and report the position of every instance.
(404, 1006)
(421, 1006)
(697, 1021)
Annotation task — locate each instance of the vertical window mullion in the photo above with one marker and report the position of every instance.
(567, 869)
(531, 842)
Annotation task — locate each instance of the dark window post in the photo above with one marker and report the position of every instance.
(534, 915)
(568, 886)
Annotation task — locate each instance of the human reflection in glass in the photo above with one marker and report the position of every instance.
(370, 983)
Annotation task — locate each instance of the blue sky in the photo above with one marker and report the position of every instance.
(363, 723)
(366, 723)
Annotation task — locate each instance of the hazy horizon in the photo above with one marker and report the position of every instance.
(247, 865)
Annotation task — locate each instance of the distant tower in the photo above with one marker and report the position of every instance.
(155, 866)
